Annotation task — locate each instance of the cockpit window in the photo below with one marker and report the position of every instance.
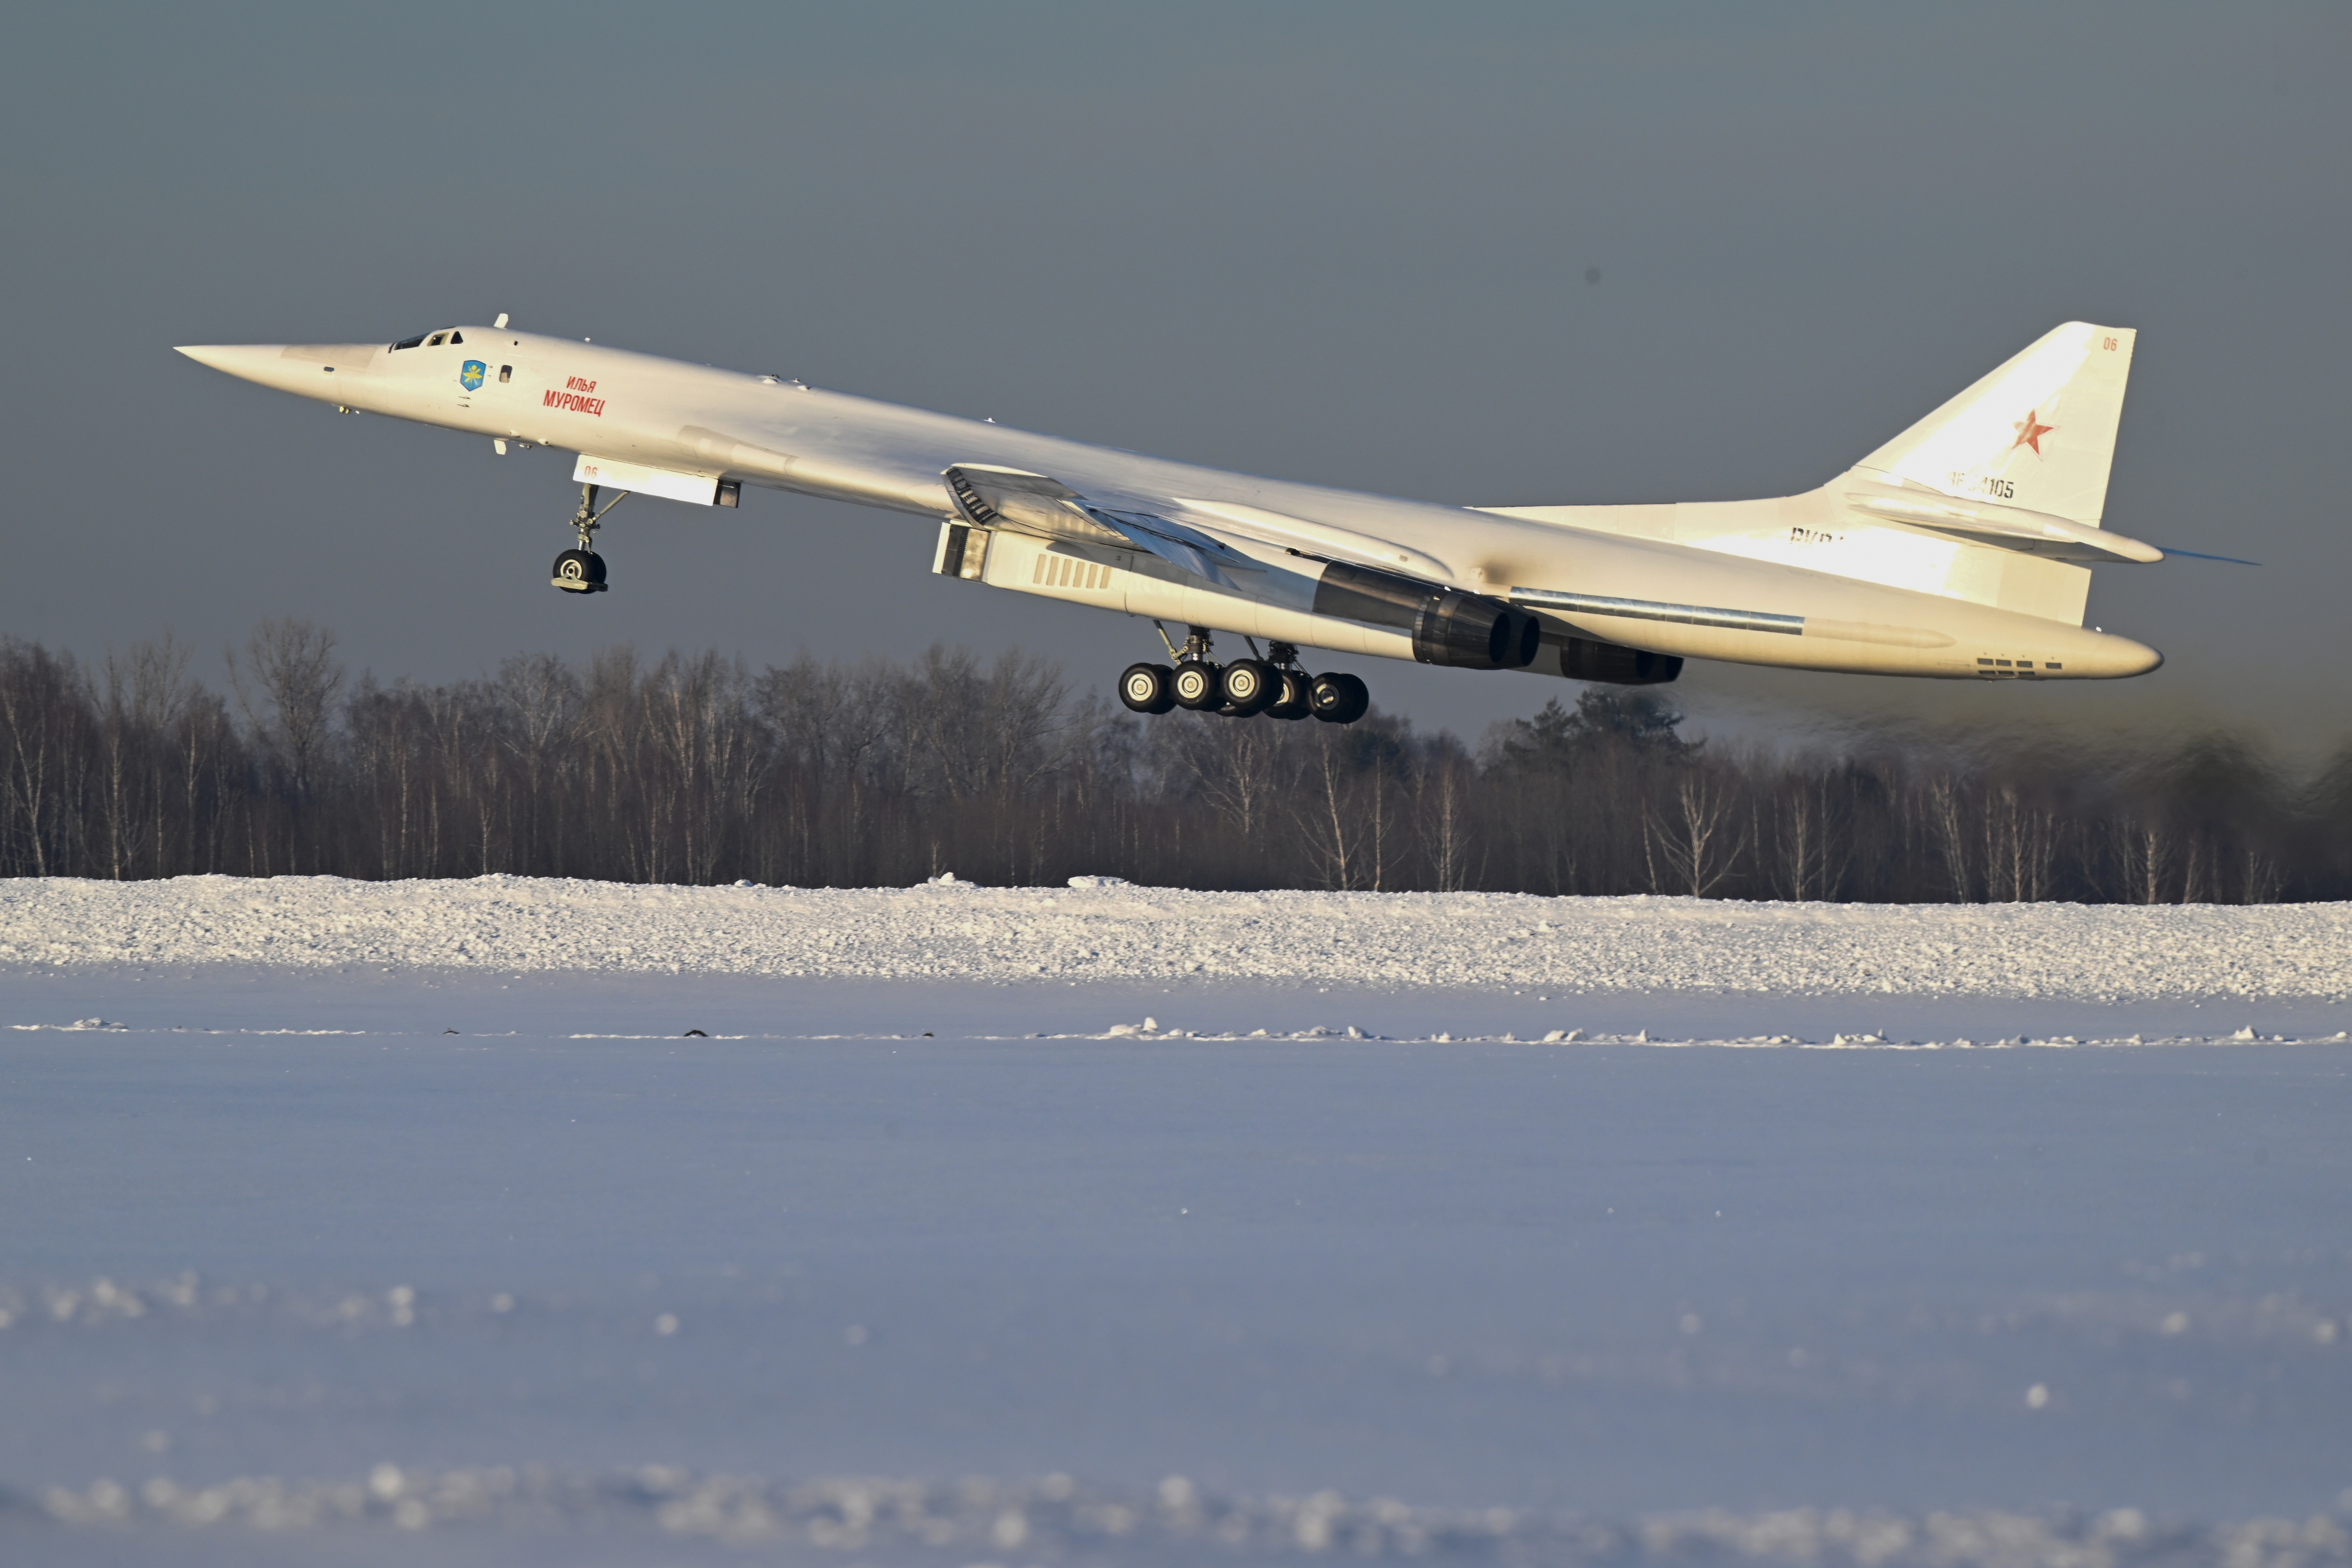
(410, 342)
(439, 338)
(456, 337)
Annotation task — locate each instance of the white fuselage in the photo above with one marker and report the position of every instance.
(1769, 564)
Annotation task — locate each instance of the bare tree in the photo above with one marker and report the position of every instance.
(697, 715)
(2020, 848)
(1242, 770)
(1445, 787)
(1331, 828)
(161, 697)
(286, 688)
(1697, 834)
(831, 726)
(1812, 842)
(2263, 881)
(540, 697)
(2143, 853)
(1943, 798)
(208, 766)
(44, 724)
(984, 734)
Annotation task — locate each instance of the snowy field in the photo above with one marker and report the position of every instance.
(1108, 930)
(354, 1222)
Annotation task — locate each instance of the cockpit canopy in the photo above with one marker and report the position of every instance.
(451, 336)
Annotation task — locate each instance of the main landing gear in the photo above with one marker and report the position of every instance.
(581, 570)
(1275, 686)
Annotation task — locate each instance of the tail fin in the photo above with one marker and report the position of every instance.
(2039, 433)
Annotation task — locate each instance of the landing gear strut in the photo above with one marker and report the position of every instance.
(581, 570)
(1193, 682)
(1275, 685)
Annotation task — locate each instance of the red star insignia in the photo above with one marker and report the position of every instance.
(2030, 434)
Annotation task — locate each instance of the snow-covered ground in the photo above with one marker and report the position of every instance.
(343, 1222)
(1107, 929)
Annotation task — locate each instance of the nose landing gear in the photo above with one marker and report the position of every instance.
(581, 570)
(1275, 685)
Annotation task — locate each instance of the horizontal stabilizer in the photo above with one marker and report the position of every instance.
(2007, 527)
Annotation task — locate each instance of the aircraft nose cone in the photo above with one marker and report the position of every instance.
(249, 361)
(324, 371)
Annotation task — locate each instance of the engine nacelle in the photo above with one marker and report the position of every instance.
(1583, 659)
(1468, 631)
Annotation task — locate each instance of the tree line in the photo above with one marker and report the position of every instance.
(694, 768)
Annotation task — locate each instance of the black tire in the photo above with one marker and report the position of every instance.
(1339, 698)
(1250, 686)
(1196, 687)
(579, 571)
(1144, 688)
(1292, 704)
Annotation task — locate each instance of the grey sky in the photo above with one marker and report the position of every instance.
(1342, 243)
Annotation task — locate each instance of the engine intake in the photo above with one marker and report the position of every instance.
(1468, 631)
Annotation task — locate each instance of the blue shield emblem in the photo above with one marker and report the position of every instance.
(471, 376)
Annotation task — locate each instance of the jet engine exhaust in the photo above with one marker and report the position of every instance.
(1466, 631)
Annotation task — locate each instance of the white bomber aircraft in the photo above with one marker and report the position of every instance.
(1961, 548)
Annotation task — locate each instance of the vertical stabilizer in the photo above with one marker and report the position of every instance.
(2038, 432)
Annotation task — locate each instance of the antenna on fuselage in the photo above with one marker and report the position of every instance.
(500, 324)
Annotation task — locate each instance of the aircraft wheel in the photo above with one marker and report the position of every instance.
(1339, 698)
(1249, 686)
(1145, 689)
(579, 571)
(1291, 702)
(1195, 686)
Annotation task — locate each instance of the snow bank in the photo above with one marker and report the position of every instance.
(912, 1520)
(1107, 929)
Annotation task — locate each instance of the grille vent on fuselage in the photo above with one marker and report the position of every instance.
(1069, 571)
